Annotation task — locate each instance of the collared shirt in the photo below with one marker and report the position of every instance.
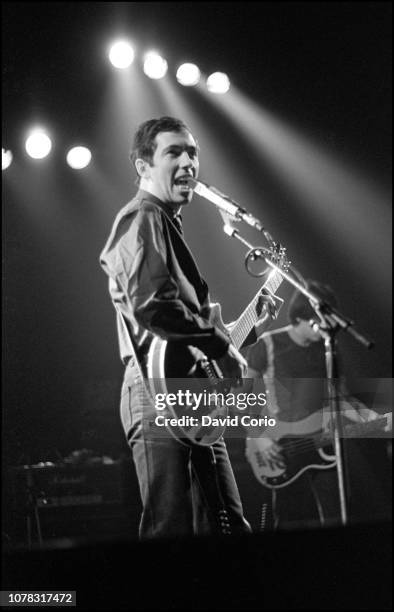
(154, 281)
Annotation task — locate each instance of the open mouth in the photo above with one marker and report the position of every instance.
(183, 182)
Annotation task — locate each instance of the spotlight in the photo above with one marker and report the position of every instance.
(188, 74)
(155, 66)
(6, 159)
(38, 144)
(121, 54)
(218, 83)
(78, 157)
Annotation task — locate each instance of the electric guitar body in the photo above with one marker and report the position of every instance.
(185, 372)
(305, 445)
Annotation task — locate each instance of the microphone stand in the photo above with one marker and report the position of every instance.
(331, 321)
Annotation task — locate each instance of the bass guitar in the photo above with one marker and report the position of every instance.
(304, 445)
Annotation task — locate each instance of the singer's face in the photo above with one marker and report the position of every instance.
(175, 158)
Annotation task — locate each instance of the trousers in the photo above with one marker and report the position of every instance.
(186, 489)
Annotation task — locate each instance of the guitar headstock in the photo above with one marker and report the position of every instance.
(275, 254)
(278, 255)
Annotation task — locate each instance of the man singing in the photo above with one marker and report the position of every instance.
(157, 289)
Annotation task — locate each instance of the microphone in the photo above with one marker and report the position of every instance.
(224, 203)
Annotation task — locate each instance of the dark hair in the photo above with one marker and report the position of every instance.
(299, 306)
(144, 144)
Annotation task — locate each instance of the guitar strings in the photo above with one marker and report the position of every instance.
(296, 446)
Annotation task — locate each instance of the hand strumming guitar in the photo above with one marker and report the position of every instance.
(233, 365)
(271, 453)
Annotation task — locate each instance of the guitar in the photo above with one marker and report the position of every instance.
(304, 446)
(171, 368)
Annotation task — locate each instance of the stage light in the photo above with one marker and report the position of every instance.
(6, 159)
(218, 83)
(121, 54)
(78, 158)
(188, 74)
(155, 66)
(38, 144)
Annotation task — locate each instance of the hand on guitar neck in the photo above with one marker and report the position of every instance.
(232, 364)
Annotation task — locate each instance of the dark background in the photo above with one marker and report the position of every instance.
(324, 68)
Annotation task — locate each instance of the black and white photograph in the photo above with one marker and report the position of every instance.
(197, 263)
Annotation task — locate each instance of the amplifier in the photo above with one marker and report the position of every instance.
(62, 500)
(59, 485)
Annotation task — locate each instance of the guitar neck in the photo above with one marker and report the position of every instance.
(356, 430)
(253, 311)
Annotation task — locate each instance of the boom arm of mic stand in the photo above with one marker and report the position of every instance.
(343, 322)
